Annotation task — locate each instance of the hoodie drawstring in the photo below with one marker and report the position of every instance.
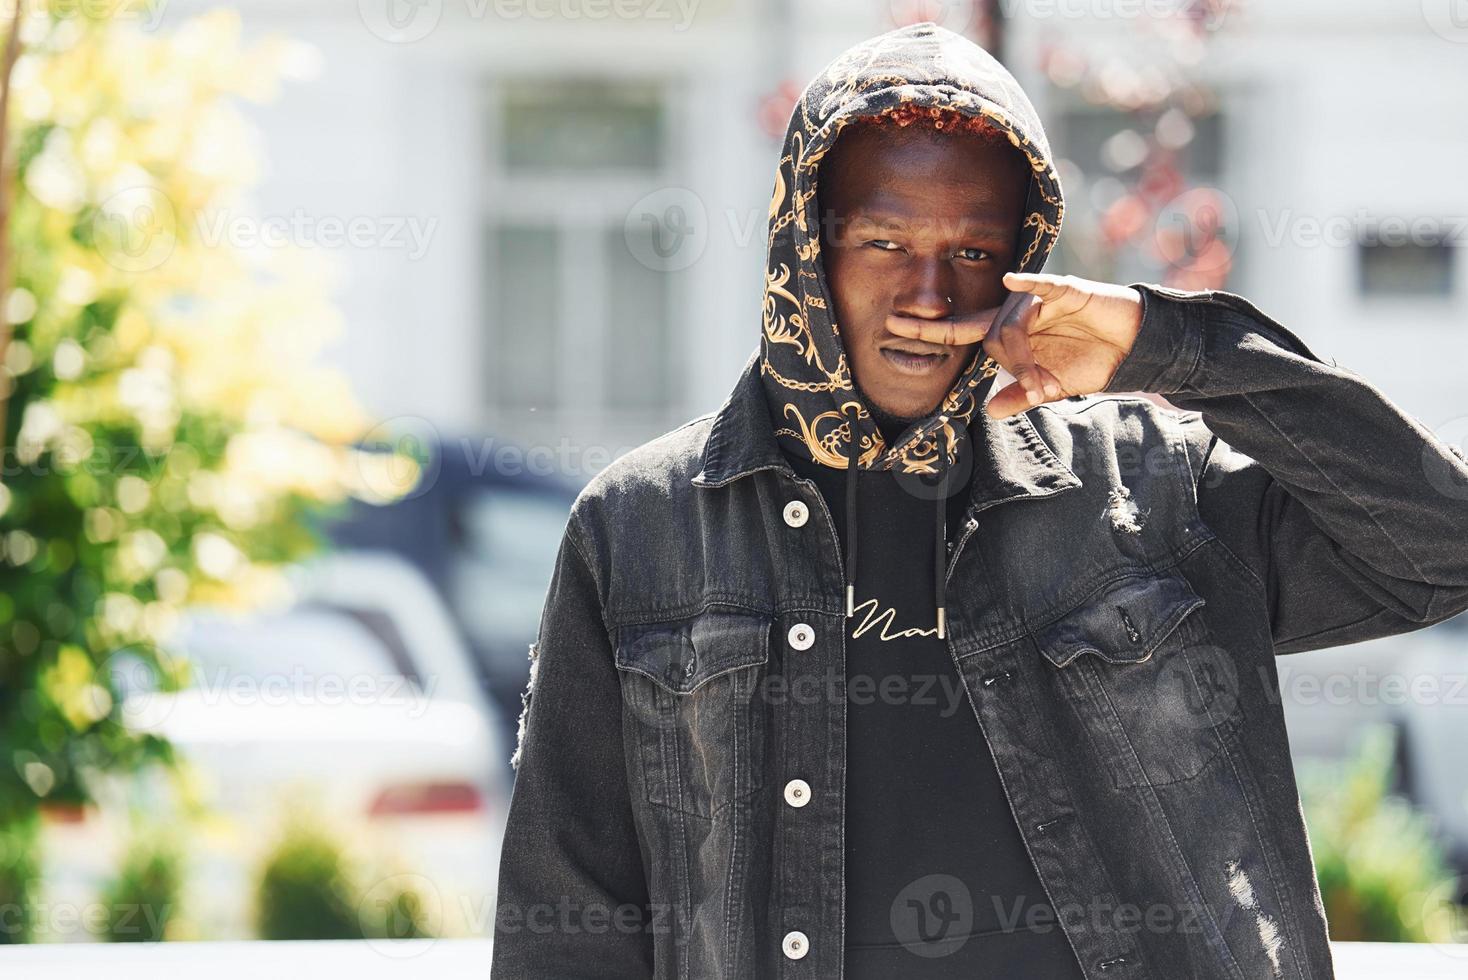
(851, 513)
(940, 554)
(940, 546)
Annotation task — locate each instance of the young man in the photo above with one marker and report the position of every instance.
(869, 674)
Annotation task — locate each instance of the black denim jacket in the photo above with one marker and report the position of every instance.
(1117, 596)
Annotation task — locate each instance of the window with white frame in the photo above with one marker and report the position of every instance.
(579, 328)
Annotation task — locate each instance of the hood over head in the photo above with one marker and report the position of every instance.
(814, 405)
(803, 364)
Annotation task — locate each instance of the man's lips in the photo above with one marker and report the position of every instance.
(916, 358)
(917, 347)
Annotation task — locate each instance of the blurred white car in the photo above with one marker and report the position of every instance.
(1433, 726)
(358, 700)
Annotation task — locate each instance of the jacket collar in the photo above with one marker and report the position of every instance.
(1011, 459)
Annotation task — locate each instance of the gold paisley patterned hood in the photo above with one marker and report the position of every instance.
(803, 365)
(815, 408)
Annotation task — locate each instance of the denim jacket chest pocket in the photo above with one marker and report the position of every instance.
(693, 716)
(1152, 693)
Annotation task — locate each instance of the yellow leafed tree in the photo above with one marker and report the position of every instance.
(165, 422)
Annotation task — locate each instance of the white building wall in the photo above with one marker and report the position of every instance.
(1331, 108)
(1334, 110)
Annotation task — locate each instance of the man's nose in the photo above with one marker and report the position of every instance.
(927, 291)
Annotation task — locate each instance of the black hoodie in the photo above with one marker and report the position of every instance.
(938, 881)
(817, 410)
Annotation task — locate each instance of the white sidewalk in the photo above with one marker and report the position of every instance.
(453, 959)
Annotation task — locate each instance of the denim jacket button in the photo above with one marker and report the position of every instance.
(796, 513)
(797, 792)
(801, 636)
(795, 945)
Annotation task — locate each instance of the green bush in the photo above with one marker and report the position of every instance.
(144, 895)
(19, 869)
(306, 889)
(400, 913)
(314, 885)
(169, 434)
(1383, 875)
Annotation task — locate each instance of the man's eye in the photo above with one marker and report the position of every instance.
(978, 254)
(884, 244)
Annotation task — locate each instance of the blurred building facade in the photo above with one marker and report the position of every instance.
(549, 218)
(563, 202)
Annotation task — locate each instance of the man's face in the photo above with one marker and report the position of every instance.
(906, 224)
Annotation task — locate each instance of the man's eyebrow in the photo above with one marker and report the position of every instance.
(954, 226)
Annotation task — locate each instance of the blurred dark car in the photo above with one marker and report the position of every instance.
(485, 535)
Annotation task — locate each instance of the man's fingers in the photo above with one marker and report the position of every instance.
(1009, 344)
(1009, 400)
(968, 328)
(1052, 384)
(1029, 378)
(1005, 333)
(1021, 364)
(1041, 284)
(955, 331)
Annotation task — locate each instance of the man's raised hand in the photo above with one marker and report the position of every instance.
(1058, 335)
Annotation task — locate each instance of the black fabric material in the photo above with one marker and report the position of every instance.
(804, 367)
(818, 411)
(923, 797)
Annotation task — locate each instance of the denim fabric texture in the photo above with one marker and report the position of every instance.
(1125, 578)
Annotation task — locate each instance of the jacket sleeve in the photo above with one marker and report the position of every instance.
(572, 894)
(1351, 516)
